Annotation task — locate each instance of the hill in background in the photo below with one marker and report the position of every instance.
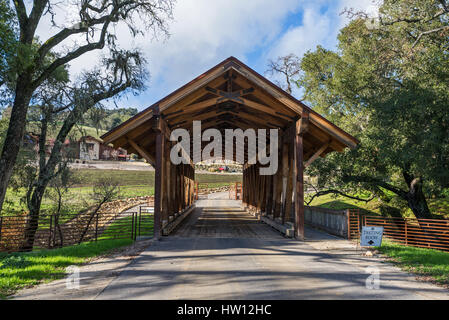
(95, 123)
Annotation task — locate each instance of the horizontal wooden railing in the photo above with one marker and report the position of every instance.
(55, 231)
(423, 233)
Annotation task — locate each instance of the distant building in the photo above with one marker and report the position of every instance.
(86, 148)
(31, 142)
(90, 148)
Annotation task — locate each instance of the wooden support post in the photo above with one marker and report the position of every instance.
(301, 128)
(263, 199)
(278, 189)
(192, 186)
(269, 195)
(174, 189)
(299, 203)
(181, 185)
(261, 193)
(253, 186)
(290, 182)
(285, 170)
(158, 186)
(245, 186)
(184, 184)
(164, 195)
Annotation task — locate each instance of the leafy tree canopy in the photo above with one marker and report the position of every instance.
(388, 84)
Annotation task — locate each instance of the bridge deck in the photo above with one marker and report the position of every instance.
(223, 219)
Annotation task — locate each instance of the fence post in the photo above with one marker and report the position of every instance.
(358, 224)
(406, 237)
(135, 227)
(132, 227)
(140, 219)
(348, 220)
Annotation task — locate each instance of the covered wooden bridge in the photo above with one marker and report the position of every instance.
(231, 96)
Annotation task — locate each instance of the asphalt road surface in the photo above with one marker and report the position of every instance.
(221, 252)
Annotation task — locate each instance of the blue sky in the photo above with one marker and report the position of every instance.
(205, 32)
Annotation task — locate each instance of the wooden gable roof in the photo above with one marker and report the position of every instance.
(230, 95)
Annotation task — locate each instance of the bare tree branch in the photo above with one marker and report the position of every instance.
(288, 66)
(21, 14)
(333, 191)
(427, 33)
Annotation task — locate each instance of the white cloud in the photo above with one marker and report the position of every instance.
(205, 32)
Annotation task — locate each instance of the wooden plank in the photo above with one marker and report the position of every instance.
(158, 186)
(260, 118)
(194, 95)
(263, 95)
(160, 125)
(285, 171)
(164, 201)
(278, 190)
(192, 108)
(169, 187)
(269, 195)
(290, 179)
(144, 154)
(260, 107)
(263, 200)
(316, 155)
(302, 125)
(299, 199)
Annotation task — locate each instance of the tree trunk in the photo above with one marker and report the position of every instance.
(415, 197)
(14, 135)
(33, 222)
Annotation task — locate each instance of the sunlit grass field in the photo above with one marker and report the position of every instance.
(438, 207)
(133, 183)
(422, 262)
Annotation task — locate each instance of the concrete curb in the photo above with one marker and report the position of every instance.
(167, 229)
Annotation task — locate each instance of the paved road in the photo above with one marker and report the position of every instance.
(221, 252)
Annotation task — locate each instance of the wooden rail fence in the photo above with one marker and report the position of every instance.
(70, 229)
(422, 233)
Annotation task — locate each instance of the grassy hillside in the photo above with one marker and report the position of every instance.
(438, 207)
(95, 123)
(145, 178)
(132, 184)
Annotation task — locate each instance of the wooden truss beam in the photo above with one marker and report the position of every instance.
(316, 155)
(142, 152)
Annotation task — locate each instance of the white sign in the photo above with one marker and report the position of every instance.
(371, 236)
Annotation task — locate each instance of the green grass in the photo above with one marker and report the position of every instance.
(422, 262)
(20, 270)
(75, 200)
(438, 207)
(145, 178)
(340, 203)
(133, 183)
(122, 226)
